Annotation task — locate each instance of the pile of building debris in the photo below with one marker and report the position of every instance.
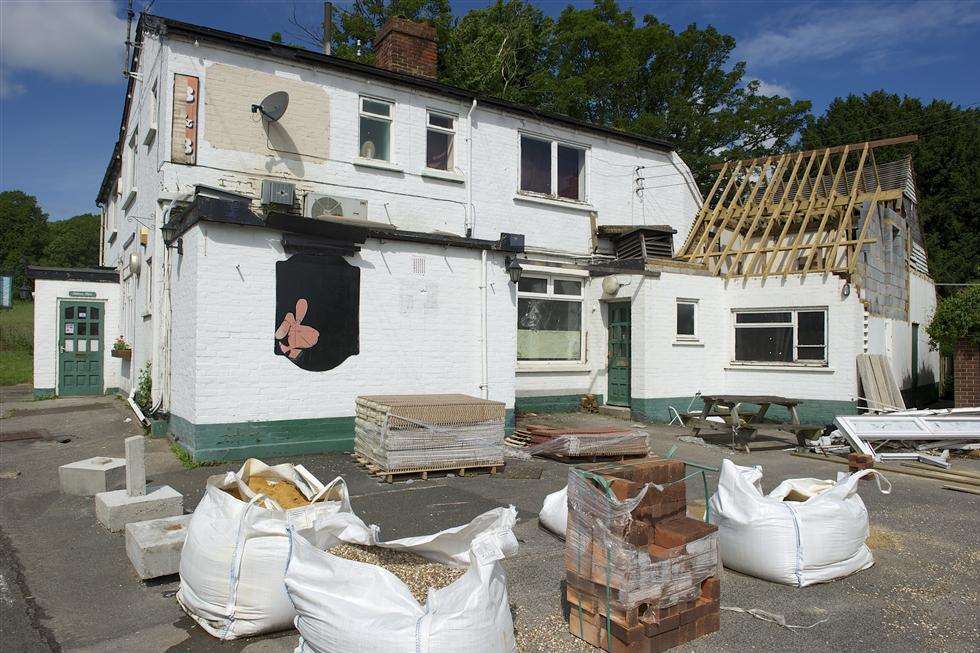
(582, 442)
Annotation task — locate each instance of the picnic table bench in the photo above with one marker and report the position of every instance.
(744, 425)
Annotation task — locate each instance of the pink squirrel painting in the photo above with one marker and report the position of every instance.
(298, 337)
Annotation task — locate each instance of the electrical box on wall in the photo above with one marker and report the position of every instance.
(277, 193)
(144, 236)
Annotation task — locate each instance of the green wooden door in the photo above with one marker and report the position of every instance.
(619, 355)
(80, 348)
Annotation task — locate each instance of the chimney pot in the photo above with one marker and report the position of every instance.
(404, 46)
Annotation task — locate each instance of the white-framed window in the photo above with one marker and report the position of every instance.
(154, 100)
(552, 168)
(129, 169)
(781, 335)
(687, 319)
(440, 138)
(375, 128)
(549, 319)
(148, 290)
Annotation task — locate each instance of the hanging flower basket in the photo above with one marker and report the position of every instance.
(125, 354)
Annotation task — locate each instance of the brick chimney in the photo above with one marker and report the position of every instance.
(404, 46)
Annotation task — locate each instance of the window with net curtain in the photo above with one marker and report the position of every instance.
(781, 336)
(549, 319)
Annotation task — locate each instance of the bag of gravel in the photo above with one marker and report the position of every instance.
(354, 592)
(235, 554)
(554, 512)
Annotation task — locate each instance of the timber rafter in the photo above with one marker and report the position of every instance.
(797, 212)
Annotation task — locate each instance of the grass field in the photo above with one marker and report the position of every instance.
(17, 343)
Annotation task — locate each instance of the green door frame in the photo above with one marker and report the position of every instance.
(80, 351)
(618, 355)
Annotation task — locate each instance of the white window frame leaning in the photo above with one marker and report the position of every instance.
(390, 119)
(451, 157)
(550, 294)
(686, 336)
(583, 182)
(794, 313)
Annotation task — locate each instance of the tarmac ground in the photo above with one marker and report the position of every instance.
(67, 585)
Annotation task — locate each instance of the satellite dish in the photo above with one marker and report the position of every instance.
(273, 106)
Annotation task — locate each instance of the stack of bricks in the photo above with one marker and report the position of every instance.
(640, 574)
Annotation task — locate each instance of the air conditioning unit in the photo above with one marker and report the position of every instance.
(324, 207)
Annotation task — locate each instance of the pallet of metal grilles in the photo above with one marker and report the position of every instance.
(580, 443)
(640, 574)
(417, 434)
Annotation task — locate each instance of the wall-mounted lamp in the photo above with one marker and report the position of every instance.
(169, 232)
(514, 269)
(846, 290)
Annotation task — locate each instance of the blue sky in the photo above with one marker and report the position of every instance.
(61, 88)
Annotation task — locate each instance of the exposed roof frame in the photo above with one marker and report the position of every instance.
(813, 214)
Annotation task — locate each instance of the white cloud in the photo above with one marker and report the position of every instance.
(79, 40)
(772, 88)
(862, 33)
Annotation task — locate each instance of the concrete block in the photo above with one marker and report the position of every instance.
(154, 546)
(116, 509)
(88, 477)
(135, 466)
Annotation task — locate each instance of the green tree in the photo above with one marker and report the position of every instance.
(23, 231)
(361, 22)
(503, 51)
(599, 65)
(73, 243)
(945, 160)
(956, 317)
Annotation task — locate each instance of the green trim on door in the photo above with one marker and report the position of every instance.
(618, 358)
(80, 347)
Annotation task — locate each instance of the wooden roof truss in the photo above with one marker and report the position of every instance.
(797, 212)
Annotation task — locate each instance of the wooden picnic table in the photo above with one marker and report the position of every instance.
(745, 424)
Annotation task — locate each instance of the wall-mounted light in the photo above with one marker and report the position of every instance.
(514, 269)
(169, 232)
(846, 290)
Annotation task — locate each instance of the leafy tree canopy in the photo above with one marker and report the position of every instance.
(945, 163)
(28, 238)
(23, 231)
(73, 243)
(957, 316)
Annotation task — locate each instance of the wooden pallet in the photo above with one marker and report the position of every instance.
(388, 475)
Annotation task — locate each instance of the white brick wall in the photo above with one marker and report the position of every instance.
(47, 294)
(418, 334)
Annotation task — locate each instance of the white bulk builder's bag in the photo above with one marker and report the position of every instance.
(347, 606)
(235, 554)
(805, 531)
(554, 512)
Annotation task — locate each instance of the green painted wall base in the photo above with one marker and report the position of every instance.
(159, 427)
(44, 393)
(275, 439)
(811, 411)
(551, 403)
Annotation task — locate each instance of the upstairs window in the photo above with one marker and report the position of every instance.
(439, 141)
(375, 129)
(552, 168)
(781, 336)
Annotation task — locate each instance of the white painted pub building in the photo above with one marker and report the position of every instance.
(285, 230)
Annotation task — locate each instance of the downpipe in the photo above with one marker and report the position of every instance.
(484, 372)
